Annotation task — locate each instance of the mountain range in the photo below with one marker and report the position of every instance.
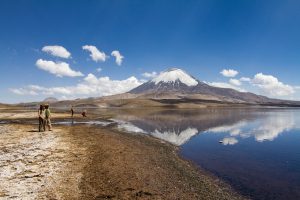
(176, 88)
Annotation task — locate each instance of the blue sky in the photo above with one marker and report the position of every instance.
(257, 39)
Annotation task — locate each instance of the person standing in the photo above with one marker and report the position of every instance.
(72, 112)
(83, 113)
(48, 117)
(41, 114)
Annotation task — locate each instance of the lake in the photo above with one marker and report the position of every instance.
(256, 151)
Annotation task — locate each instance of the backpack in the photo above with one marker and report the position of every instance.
(47, 113)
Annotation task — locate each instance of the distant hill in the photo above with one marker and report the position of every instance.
(50, 100)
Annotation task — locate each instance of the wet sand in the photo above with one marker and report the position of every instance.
(94, 162)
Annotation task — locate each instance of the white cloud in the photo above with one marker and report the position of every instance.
(175, 137)
(22, 91)
(89, 87)
(118, 56)
(236, 82)
(245, 79)
(99, 69)
(229, 141)
(58, 51)
(96, 55)
(127, 126)
(271, 127)
(234, 129)
(60, 69)
(229, 72)
(235, 132)
(266, 127)
(17, 91)
(271, 85)
(225, 85)
(149, 74)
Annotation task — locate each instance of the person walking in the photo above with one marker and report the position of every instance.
(48, 117)
(41, 114)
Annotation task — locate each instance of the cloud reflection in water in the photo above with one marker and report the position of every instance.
(178, 127)
(265, 128)
(229, 141)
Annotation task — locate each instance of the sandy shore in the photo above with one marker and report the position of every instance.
(94, 162)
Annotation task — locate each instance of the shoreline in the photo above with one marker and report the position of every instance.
(90, 162)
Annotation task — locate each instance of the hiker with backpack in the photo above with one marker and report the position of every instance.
(48, 118)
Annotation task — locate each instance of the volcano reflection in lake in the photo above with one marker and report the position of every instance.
(256, 150)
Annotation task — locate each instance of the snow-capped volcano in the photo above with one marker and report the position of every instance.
(172, 80)
(177, 84)
(172, 75)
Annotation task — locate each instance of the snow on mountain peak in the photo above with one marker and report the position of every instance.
(174, 74)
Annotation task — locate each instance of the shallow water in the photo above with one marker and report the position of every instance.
(74, 122)
(257, 151)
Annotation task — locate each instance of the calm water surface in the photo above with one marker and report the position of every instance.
(257, 151)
